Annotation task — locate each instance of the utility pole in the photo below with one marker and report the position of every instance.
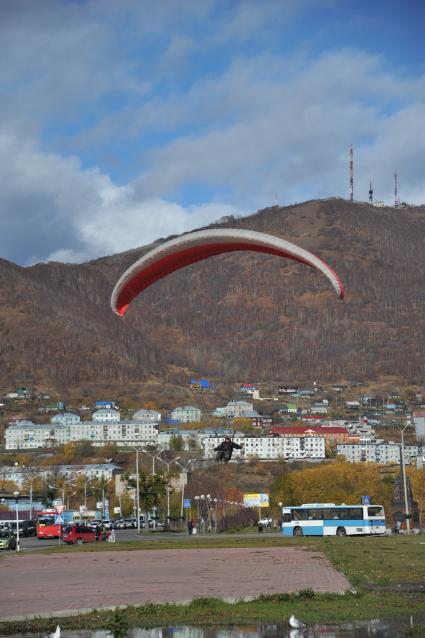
(351, 175)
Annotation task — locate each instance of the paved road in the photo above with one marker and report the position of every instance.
(32, 543)
(39, 584)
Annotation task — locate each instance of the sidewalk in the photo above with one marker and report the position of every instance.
(49, 584)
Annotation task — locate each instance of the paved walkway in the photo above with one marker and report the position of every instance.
(37, 584)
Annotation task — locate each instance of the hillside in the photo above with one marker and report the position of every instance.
(235, 317)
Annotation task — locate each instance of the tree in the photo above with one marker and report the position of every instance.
(336, 482)
(152, 488)
(176, 442)
(417, 482)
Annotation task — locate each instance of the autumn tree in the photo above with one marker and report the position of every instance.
(336, 482)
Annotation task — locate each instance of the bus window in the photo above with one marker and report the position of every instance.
(376, 510)
(355, 513)
(301, 514)
(287, 518)
(316, 515)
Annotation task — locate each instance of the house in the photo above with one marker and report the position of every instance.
(319, 408)
(104, 405)
(186, 414)
(106, 416)
(331, 434)
(352, 405)
(287, 389)
(65, 418)
(147, 415)
(378, 452)
(248, 388)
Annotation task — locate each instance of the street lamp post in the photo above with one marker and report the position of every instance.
(185, 471)
(137, 491)
(18, 546)
(168, 487)
(403, 469)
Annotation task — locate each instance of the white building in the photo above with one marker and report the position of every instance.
(65, 418)
(20, 476)
(30, 436)
(26, 435)
(419, 423)
(268, 447)
(236, 409)
(147, 416)
(106, 416)
(186, 414)
(373, 452)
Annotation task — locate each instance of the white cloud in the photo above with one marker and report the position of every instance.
(197, 125)
(52, 209)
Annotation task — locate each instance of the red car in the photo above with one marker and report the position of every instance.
(78, 534)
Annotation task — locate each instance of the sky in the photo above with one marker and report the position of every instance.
(122, 122)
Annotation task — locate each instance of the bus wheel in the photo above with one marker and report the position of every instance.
(341, 531)
(79, 541)
(298, 531)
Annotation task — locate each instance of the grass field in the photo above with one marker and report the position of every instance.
(387, 575)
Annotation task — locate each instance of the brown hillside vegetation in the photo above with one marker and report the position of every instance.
(235, 317)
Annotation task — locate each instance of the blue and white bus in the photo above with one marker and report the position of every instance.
(328, 519)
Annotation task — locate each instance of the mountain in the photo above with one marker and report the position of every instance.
(235, 317)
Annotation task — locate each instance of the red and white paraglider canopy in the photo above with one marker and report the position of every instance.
(193, 247)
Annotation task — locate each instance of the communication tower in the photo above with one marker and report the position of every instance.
(370, 192)
(396, 199)
(351, 175)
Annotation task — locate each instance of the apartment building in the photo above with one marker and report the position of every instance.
(268, 448)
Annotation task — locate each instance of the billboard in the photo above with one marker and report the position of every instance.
(256, 500)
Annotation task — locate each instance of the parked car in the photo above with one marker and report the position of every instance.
(7, 539)
(118, 523)
(130, 523)
(26, 528)
(77, 534)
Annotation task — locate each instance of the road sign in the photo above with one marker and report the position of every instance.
(187, 503)
(366, 500)
(59, 519)
(59, 508)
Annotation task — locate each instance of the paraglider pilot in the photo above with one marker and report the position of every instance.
(225, 449)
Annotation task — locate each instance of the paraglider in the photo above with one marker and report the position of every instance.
(193, 247)
(225, 449)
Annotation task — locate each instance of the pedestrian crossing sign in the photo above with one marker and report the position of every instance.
(59, 519)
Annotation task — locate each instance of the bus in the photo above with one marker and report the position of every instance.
(46, 526)
(328, 519)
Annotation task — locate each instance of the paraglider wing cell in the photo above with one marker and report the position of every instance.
(194, 247)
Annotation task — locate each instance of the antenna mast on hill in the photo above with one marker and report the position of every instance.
(396, 199)
(370, 192)
(351, 175)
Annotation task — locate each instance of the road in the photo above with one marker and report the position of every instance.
(125, 535)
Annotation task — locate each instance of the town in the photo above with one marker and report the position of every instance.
(286, 425)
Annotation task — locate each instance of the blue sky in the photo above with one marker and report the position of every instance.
(122, 122)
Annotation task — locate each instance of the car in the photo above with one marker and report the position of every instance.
(7, 539)
(130, 523)
(118, 523)
(78, 533)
